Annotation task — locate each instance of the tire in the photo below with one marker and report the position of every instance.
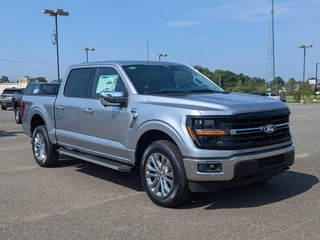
(17, 117)
(44, 152)
(163, 175)
(3, 108)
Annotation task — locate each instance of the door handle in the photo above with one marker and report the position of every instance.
(88, 111)
(59, 107)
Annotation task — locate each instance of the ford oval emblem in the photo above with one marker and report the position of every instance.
(270, 128)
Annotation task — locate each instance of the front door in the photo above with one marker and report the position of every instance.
(106, 128)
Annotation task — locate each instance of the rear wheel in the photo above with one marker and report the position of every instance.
(3, 108)
(17, 117)
(163, 175)
(44, 152)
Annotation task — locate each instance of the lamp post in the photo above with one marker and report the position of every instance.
(304, 67)
(55, 13)
(161, 55)
(316, 83)
(88, 49)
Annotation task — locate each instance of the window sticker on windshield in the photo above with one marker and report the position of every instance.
(36, 89)
(107, 83)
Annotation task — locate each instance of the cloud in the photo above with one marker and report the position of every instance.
(182, 23)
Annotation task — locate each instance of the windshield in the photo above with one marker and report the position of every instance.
(154, 79)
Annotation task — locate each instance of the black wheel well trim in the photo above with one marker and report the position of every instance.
(36, 121)
(146, 139)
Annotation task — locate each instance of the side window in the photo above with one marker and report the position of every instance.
(78, 82)
(107, 79)
(29, 89)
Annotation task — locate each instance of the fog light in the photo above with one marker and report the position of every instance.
(210, 168)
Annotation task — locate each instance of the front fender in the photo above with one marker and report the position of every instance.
(177, 134)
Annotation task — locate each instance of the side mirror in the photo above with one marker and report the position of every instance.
(113, 99)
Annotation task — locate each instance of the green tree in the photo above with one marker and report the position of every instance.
(261, 85)
(238, 87)
(4, 79)
(225, 79)
(278, 81)
(291, 86)
(308, 90)
(304, 91)
(41, 79)
(254, 85)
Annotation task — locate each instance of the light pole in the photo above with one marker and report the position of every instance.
(88, 49)
(161, 55)
(304, 66)
(55, 13)
(316, 83)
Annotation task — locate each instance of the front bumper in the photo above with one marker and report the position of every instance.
(271, 162)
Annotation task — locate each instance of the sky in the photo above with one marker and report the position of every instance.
(216, 34)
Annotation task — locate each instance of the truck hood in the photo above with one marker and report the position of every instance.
(225, 103)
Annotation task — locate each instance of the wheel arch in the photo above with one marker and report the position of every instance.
(147, 138)
(35, 122)
(155, 130)
(15, 105)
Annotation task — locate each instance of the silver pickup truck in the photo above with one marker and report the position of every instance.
(184, 132)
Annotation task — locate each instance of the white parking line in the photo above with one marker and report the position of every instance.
(302, 155)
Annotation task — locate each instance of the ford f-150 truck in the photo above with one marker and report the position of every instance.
(182, 131)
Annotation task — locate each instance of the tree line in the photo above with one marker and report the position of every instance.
(233, 82)
(5, 79)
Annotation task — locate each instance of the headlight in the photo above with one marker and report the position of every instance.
(205, 132)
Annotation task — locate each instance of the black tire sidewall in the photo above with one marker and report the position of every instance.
(17, 111)
(52, 155)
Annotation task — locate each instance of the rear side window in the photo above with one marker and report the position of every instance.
(31, 89)
(78, 83)
(50, 88)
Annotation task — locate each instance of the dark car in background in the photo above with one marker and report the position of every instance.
(6, 97)
(16, 100)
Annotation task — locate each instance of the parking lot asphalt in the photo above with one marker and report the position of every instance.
(79, 200)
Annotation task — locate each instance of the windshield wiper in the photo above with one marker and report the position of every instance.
(208, 90)
(168, 90)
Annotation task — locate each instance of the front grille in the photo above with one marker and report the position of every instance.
(245, 130)
(256, 121)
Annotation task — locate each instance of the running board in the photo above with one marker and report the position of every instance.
(121, 167)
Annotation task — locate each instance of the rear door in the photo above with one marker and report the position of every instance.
(69, 108)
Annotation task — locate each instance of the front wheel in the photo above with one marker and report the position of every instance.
(163, 175)
(44, 152)
(17, 117)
